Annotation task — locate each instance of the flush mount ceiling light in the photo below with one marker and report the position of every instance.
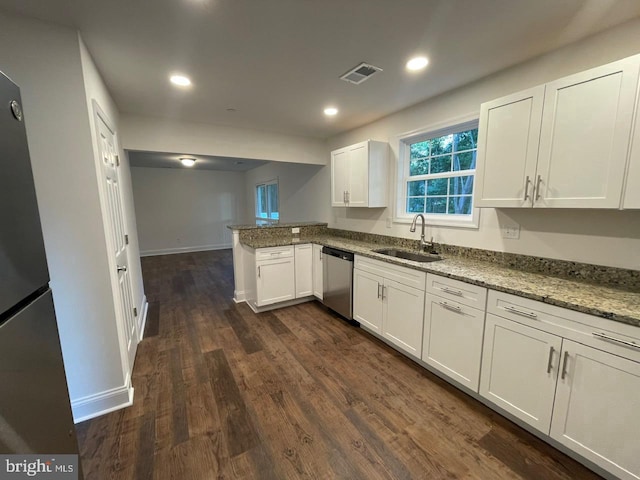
(188, 162)
(180, 80)
(330, 111)
(417, 63)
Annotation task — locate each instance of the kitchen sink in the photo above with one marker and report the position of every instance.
(416, 257)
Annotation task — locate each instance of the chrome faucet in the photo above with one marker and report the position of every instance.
(423, 243)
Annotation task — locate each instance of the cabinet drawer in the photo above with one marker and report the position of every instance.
(465, 293)
(403, 275)
(607, 335)
(274, 252)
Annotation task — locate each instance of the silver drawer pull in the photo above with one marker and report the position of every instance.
(455, 308)
(457, 293)
(564, 365)
(616, 340)
(511, 309)
(276, 253)
(550, 362)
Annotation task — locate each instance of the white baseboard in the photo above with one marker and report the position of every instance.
(92, 406)
(171, 251)
(288, 303)
(239, 296)
(144, 309)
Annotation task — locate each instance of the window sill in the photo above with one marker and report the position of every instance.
(473, 224)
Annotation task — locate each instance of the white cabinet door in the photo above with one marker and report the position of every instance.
(339, 177)
(632, 189)
(317, 271)
(304, 270)
(519, 370)
(597, 409)
(452, 341)
(358, 191)
(509, 134)
(367, 299)
(584, 138)
(275, 281)
(403, 316)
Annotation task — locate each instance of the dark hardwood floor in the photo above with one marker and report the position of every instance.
(221, 392)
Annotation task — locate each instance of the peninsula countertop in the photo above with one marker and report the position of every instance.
(602, 301)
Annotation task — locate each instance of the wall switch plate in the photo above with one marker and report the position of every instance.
(295, 230)
(389, 222)
(511, 231)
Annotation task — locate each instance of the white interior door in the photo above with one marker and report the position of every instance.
(109, 163)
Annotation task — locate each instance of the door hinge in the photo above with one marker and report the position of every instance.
(126, 239)
(117, 160)
(135, 312)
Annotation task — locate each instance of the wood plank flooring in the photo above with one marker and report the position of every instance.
(221, 392)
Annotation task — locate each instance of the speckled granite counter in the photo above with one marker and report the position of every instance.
(250, 226)
(608, 302)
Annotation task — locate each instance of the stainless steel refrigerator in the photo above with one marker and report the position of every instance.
(35, 412)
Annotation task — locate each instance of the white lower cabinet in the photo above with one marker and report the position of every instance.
(317, 271)
(519, 370)
(275, 281)
(385, 303)
(304, 270)
(452, 340)
(597, 408)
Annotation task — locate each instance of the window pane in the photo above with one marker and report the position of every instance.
(437, 186)
(272, 195)
(441, 145)
(464, 161)
(420, 149)
(261, 201)
(415, 205)
(415, 189)
(441, 164)
(461, 185)
(437, 205)
(419, 167)
(460, 205)
(466, 140)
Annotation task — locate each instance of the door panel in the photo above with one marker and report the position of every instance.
(596, 409)
(339, 177)
(367, 299)
(304, 270)
(276, 281)
(23, 265)
(317, 271)
(358, 188)
(403, 316)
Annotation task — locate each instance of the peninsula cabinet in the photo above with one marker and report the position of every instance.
(388, 300)
(359, 175)
(559, 145)
(304, 270)
(275, 275)
(317, 271)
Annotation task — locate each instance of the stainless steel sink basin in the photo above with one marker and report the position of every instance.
(416, 257)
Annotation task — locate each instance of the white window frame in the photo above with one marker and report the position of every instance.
(265, 221)
(459, 124)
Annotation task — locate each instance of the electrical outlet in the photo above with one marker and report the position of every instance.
(389, 222)
(295, 230)
(511, 231)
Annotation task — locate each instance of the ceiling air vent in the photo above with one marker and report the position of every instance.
(359, 74)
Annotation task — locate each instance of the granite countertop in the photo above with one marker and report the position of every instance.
(614, 304)
(250, 226)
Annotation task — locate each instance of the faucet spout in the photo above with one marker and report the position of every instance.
(423, 242)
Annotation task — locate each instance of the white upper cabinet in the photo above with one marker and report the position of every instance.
(632, 189)
(560, 145)
(359, 175)
(509, 133)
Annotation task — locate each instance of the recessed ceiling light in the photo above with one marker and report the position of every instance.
(188, 162)
(330, 111)
(417, 63)
(180, 80)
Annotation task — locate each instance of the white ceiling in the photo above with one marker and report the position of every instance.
(139, 158)
(277, 62)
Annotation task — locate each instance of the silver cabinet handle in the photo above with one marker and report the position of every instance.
(379, 290)
(511, 309)
(344, 196)
(550, 362)
(526, 188)
(564, 365)
(538, 187)
(348, 196)
(258, 271)
(383, 287)
(320, 255)
(122, 268)
(454, 308)
(607, 338)
(457, 293)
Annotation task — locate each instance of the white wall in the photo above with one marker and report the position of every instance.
(302, 191)
(601, 237)
(44, 60)
(161, 135)
(181, 210)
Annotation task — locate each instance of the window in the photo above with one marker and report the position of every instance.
(438, 173)
(267, 210)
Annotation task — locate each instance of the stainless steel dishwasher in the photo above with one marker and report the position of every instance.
(337, 281)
